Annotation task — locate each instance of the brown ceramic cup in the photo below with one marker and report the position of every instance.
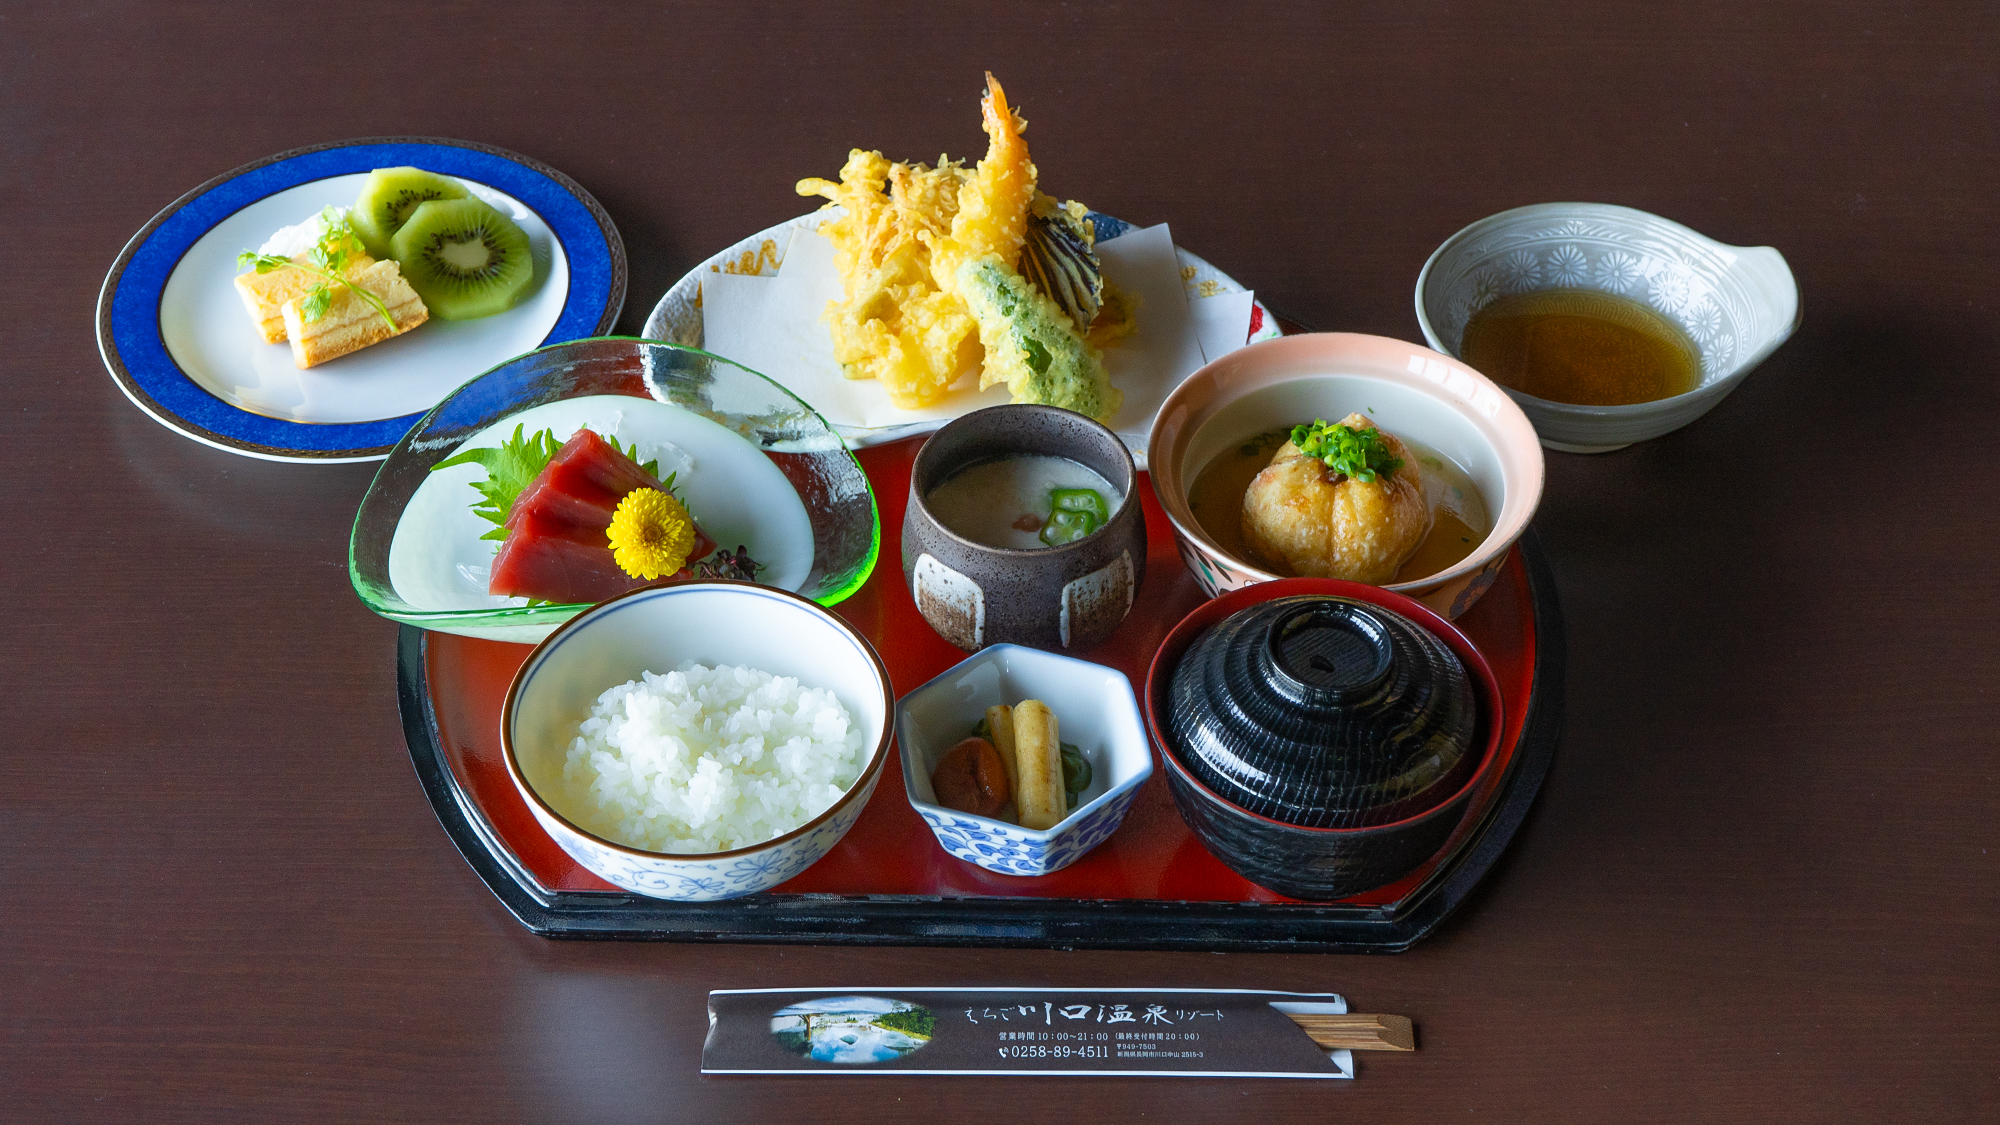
(1061, 598)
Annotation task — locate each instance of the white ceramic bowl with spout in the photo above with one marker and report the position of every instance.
(1737, 303)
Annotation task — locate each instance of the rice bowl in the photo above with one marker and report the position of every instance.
(738, 794)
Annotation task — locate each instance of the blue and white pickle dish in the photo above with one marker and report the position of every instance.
(1737, 303)
(657, 628)
(1095, 709)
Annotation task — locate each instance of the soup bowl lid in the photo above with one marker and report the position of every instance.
(1324, 712)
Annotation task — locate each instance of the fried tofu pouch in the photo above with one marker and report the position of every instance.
(1324, 524)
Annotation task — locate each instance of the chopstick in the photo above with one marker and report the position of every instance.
(1358, 1032)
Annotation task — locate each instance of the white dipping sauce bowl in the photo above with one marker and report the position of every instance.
(1737, 303)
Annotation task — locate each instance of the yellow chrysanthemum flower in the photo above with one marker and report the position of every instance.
(651, 534)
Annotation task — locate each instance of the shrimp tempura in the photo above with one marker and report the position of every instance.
(930, 287)
(992, 219)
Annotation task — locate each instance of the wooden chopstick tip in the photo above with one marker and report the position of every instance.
(1357, 1031)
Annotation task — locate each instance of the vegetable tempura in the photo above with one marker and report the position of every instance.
(929, 260)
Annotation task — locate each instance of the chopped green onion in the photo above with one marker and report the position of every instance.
(1360, 454)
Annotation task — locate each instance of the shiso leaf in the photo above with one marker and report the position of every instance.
(514, 464)
(510, 467)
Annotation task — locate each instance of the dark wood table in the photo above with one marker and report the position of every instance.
(1761, 883)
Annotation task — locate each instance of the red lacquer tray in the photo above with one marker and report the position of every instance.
(1152, 885)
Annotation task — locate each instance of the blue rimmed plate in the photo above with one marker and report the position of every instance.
(174, 334)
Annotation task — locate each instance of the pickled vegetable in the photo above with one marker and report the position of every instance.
(1040, 801)
(970, 778)
(1076, 772)
(999, 724)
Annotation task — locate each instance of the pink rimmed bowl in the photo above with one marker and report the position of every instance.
(1408, 389)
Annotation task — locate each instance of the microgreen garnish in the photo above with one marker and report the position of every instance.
(513, 465)
(1360, 454)
(328, 259)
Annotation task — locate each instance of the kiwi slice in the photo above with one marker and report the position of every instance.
(465, 259)
(388, 197)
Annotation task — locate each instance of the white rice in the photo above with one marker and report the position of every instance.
(708, 759)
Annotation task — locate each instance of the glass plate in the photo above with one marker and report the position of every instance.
(846, 534)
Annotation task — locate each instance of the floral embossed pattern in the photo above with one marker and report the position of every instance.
(1682, 278)
(1736, 303)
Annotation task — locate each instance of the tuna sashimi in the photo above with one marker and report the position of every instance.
(556, 548)
(584, 482)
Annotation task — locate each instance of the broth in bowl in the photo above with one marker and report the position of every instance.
(1011, 502)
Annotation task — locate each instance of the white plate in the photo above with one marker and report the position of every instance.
(174, 334)
(405, 375)
(677, 317)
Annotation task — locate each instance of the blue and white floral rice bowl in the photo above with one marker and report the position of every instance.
(1095, 710)
(656, 628)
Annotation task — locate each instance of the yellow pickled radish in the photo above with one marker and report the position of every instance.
(1039, 798)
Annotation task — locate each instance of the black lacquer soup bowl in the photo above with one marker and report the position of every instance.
(1322, 738)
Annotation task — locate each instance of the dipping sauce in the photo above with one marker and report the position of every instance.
(1004, 503)
(1459, 521)
(1581, 347)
